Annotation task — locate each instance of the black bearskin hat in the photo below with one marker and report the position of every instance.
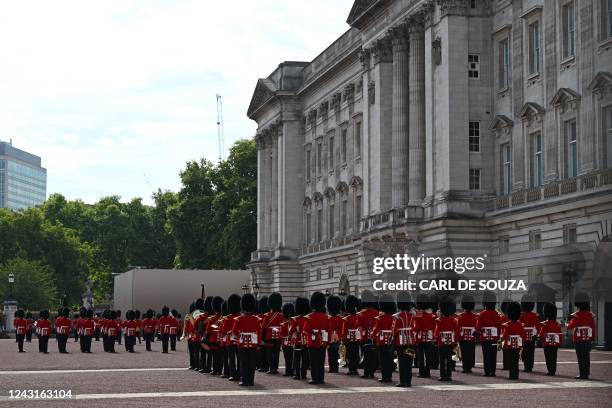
(149, 314)
(317, 302)
(369, 300)
(137, 314)
(233, 303)
(263, 305)
(288, 310)
(504, 305)
(165, 311)
(513, 311)
(28, 315)
(248, 303)
(334, 304)
(447, 306)
(208, 304)
(527, 303)
(216, 304)
(386, 304)
(66, 312)
(404, 301)
(489, 300)
(550, 311)
(199, 304)
(118, 312)
(224, 308)
(582, 301)
(130, 315)
(275, 302)
(302, 307)
(174, 312)
(89, 314)
(44, 314)
(351, 303)
(422, 301)
(158, 315)
(192, 307)
(82, 311)
(112, 314)
(20, 313)
(467, 303)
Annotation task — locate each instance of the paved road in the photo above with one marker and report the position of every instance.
(145, 378)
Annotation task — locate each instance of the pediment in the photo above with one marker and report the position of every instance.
(531, 109)
(601, 81)
(501, 122)
(264, 91)
(563, 96)
(360, 9)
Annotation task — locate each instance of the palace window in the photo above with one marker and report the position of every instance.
(537, 177)
(331, 224)
(343, 147)
(506, 173)
(344, 217)
(308, 170)
(535, 240)
(474, 136)
(357, 212)
(319, 158)
(534, 48)
(319, 225)
(504, 245)
(331, 152)
(358, 138)
(569, 234)
(474, 179)
(571, 153)
(473, 66)
(569, 30)
(308, 228)
(504, 64)
(608, 135)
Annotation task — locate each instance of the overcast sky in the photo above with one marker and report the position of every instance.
(114, 93)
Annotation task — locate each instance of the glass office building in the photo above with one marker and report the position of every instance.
(23, 181)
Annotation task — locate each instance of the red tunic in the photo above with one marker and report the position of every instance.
(43, 327)
(296, 330)
(247, 330)
(583, 324)
(403, 332)
(284, 333)
(550, 333)
(366, 322)
(424, 326)
(467, 322)
(335, 328)
(531, 323)
(489, 325)
(351, 331)
(130, 326)
(62, 325)
(271, 325)
(513, 335)
(447, 331)
(316, 329)
(382, 333)
(225, 330)
(21, 326)
(168, 325)
(87, 327)
(212, 328)
(148, 325)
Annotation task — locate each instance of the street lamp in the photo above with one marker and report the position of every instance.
(11, 281)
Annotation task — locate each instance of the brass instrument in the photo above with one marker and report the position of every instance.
(342, 352)
(456, 354)
(410, 351)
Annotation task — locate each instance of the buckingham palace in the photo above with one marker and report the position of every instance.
(449, 127)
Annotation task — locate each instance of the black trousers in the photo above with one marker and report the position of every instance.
(20, 339)
(468, 355)
(300, 362)
(43, 344)
(233, 362)
(62, 340)
(527, 354)
(164, 339)
(273, 353)
(110, 344)
(148, 337)
(98, 334)
(583, 350)
(425, 353)
(316, 357)
(550, 355)
(404, 362)
(119, 337)
(86, 341)
(333, 355)
(173, 342)
(288, 355)
(76, 336)
(191, 349)
(28, 336)
(370, 359)
(489, 356)
(385, 355)
(82, 343)
(225, 359)
(504, 359)
(248, 359)
(446, 354)
(262, 358)
(512, 356)
(130, 342)
(202, 355)
(352, 356)
(217, 361)
(435, 356)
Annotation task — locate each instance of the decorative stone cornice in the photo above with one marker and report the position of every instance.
(341, 187)
(565, 99)
(317, 197)
(336, 99)
(427, 11)
(323, 109)
(312, 117)
(381, 51)
(531, 111)
(399, 38)
(356, 183)
(349, 92)
(454, 7)
(364, 58)
(501, 124)
(601, 84)
(415, 25)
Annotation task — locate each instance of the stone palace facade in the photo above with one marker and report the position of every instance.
(444, 127)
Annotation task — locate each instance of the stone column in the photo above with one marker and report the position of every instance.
(260, 191)
(274, 191)
(399, 124)
(267, 187)
(416, 182)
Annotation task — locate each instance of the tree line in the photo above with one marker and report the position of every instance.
(210, 223)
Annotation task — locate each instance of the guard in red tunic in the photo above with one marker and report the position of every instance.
(212, 336)
(30, 326)
(174, 329)
(424, 327)
(503, 314)
(165, 322)
(76, 326)
(62, 329)
(139, 324)
(233, 364)
(223, 339)
(262, 353)
(149, 325)
(43, 331)
(187, 334)
(351, 334)
(130, 328)
(403, 337)
(118, 325)
(531, 322)
(247, 331)
(112, 330)
(287, 345)
(21, 326)
(79, 327)
(316, 329)
(334, 304)
(513, 339)
(205, 354)
(87, 331)
(382, 334)
(551, 337)
(467, 322)
(447, 334)
(298, 338)
(582, 323)
(366, 324)
(489, 328)
(270, 325)
(97, 319)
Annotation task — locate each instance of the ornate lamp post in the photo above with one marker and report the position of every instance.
(10, 305)
(11, 281)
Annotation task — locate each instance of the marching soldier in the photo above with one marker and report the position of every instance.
(188, 334)
(271, 331)
(262, 355)
(503, 314)
(112, 331)
(551, 337)
(296, 333)
(174, 329)
(512, 338)
(119, 325)
(30, 326)
(164, 328)
(334, 304)
(316, 329)
(288, 313)
(87, 331)
(130, 327)
(382, 335)
(149, 325)
(212, 336)
(366, 324)
(43, 331)
(79, 328)
(582, 323)
(139, 324)
(76, 323)
(223, 338)
(351, 334)
(62, 329)
(531, 322)
(233, 306)
(424, 326)
(447, 333)
(467, 326)
(97, 326)
(247, 329)
(404, 339)
(206, 365)
(489, 327)
(21, 327)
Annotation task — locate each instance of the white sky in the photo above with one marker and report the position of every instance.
(108, 91)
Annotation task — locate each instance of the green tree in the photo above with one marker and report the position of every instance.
(34, 286)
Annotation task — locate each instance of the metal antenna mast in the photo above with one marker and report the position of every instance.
(220, 125)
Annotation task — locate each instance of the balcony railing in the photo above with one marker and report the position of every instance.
(327, 244)
(585, 182)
